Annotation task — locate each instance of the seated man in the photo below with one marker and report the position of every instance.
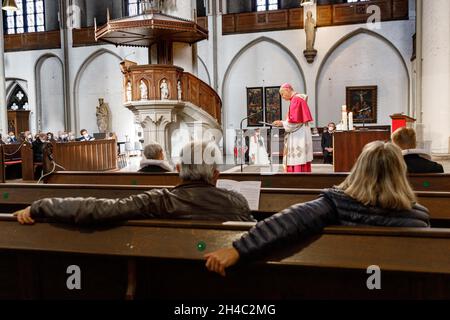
(417, 160)
(195, 198)
(153, 160)
(11, 138)
(85, 136)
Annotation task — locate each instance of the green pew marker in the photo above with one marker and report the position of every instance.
(134, 182)
(5, 195)
(426, 184)
(201, 246)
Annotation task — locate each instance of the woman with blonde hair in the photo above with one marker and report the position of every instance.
(376, 193)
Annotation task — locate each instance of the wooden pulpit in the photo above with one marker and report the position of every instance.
(401, 121)
(348, 145)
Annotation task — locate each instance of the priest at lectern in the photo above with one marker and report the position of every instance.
(298, 146)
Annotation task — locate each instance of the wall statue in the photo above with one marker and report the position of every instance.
(103, 116)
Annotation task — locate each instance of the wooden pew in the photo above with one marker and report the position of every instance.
(97, 155)
(272, 200)
(10, 155)
(162, 260)
(420, 182)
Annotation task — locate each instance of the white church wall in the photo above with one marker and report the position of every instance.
(361, 61)
(21, 65)
(51, 95)
(394, 39)
(94, 85)
(255, 68)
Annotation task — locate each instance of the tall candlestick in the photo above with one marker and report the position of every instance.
(350, 122)
(344, 121)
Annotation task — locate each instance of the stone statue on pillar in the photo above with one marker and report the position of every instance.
(310, 30)
(102, 116)
(129, 92)
(179, 90)
(164, 90)
(144, 90)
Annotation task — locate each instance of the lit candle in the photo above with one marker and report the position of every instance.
(344, 108)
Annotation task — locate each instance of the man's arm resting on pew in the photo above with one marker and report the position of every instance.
(92, 210)
(289, 226)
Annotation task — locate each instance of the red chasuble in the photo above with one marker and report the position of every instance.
(299, 111)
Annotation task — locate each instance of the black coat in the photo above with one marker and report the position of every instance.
(418, 164)
(38, 150)
(153, 168)
(333, 207)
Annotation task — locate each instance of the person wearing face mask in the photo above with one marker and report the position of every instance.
(327, 143)
(11, 138)
(85, 136)
(28, 137)
(50, 137)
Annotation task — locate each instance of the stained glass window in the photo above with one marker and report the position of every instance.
(29, 17)
(264, 5)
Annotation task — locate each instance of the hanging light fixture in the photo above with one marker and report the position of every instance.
(9, 5)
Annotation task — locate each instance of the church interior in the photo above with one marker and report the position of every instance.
(298, 101)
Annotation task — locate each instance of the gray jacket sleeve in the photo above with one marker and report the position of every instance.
(289, 226)
(91, 210)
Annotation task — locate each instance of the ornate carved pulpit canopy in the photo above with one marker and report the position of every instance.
(150, 28)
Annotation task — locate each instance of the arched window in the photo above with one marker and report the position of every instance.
(29, 17)
(265, 5)
(18, 100)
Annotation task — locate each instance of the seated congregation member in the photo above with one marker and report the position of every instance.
(51, 137)
(27, 137)
(195, 198)
(153, 160)
(376, 193)
(327, 143)
(85, 136)
(417, 160)
(11, 138)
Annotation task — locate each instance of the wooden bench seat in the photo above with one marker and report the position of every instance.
(145, 260)
(419, 182)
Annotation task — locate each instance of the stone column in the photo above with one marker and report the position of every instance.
(3, 106)
(435, 100)
(183, 54)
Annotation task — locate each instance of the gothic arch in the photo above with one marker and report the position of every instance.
(206, 69)
(76, 87)
(241, 53)
(37, 81)
(344, 40)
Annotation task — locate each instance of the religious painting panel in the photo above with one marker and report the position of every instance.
(255, 110)
(362, 101)
(273, 104)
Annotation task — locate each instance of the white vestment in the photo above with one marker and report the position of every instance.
(298, 147)
(257, 152)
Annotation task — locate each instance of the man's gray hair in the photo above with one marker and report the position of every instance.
(152, 151)
(199, 161)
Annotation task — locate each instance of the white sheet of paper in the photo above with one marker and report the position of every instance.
(251, 190)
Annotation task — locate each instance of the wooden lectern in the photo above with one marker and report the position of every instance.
(348, 145)
(401, 121)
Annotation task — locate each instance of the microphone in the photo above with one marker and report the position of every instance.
(250, 116)
(366, 109)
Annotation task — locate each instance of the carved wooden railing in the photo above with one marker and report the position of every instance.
(193, 89)
(33, 41)
(97, 155)
(327, 15)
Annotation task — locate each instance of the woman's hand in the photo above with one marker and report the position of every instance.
(277, 123)
(219, 260)
(24, 216)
